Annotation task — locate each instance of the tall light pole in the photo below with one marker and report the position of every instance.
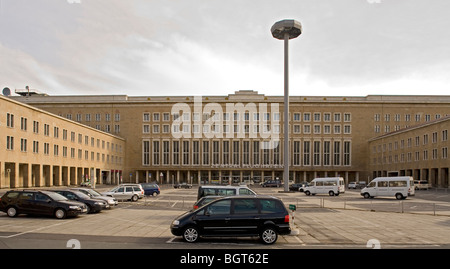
(285, 30)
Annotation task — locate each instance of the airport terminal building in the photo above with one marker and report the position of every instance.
(38, 149)
(239, 137)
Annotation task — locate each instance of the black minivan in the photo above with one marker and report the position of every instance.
(35, 202)
(235, 216)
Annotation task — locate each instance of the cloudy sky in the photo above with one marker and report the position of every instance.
(212, 47)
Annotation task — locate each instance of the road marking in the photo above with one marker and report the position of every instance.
(35, 230)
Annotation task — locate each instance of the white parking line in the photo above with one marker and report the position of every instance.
(34, 230)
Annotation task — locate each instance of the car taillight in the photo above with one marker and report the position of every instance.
(286, 218)
(195, 206)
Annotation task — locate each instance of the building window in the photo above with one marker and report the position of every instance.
(9, 142)
(326, 152)
(205, 149)
(9, 120)
(276, 152)
(46, 129)
(146, 152)
(246, 152)
(166, 153)
(256, 152)
(307, 116)
(226, 152)
(216, 153)
(316, 153)
(176, 152)
(306, 152)
(337, 153)
(195, 153)
(236, 153)
(146, 116)
(266, 153)
(347, 117)
(296, 153)
(23, 123)
(35, 127)
(186, 152)
(347, 150)
(156, 151)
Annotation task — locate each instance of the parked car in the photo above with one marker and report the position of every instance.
(272, 183)
(93, 205)
(151, 189)
(298, 186)
(183, 185)
(96, 195)
(421, 185)
(235, 216)
(361, 184)
(352, 185)
(35, 202)
(205, 200)
(131, 192)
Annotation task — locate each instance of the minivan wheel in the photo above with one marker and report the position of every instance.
(191, 235)
(154, 194)
(366, 195)
(60, 213)
(134, 198)
(307, 193)
(398, 196)
(12, 212)
(269, 236)
(331, 193)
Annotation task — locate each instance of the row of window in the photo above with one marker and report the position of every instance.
(56, 151)
(407, 117)
(36, 125)
(246, 153)
(215, 128)
(418, 141)
(265, 116)
(408, 157)
(88, 117)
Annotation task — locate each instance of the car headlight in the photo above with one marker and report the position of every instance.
(176, 223)
(74, 207)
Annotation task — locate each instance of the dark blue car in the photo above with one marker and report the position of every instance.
(150, 189)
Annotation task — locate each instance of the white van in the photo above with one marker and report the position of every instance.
(207, 190)
(331, 185)
(400, 187)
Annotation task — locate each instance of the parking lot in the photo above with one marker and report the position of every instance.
(345, 221)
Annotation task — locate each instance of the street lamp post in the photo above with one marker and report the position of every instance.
(285, 30)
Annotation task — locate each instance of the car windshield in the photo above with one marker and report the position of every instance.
(81, 195)
(113, 189)
(56, 196)
(93, 192)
